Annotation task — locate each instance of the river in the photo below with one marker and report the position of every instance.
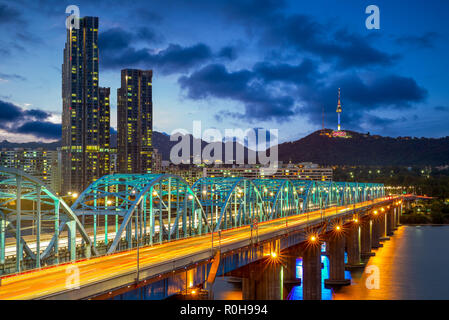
(413, 264)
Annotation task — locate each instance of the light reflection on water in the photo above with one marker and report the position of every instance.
(412, 265)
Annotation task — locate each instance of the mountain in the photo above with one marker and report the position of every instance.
(365, 149)
(359, 149)
(32, 145)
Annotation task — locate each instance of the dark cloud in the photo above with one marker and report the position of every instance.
(304, 34)
(148, 35)
(441, 108)
(41, 129)
(382, 122)
(114, 39)
(424, 41)
(306, 72)
(268, 21)
(359, 95)
(36, 114)
(216, 81)
(5, 76)
(228, 52)
(272, 91)
(9, 15)
(173, 59)
(12, 116)
(9, 112)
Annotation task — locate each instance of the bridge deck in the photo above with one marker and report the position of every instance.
(49, 281)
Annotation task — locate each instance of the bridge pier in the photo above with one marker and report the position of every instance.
(375, 232)
(353, 246)
(383, 226)
(398, 216)
(262, 281)
(366, 238)
(289, 273)
(311, 271)
(389, 215)
(335, 246)
(395, 218)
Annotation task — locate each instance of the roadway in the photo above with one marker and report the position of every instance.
(44, 282)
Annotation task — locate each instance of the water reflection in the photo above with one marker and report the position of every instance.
(412, 265)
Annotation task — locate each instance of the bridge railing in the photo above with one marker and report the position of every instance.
(121, 211)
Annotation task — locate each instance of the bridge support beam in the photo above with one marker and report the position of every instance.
(353, 246)
(365, 238)
(263, 281)
(383, 226)
(389, 216)
(335, 245)
(291, 255)
(376, 222)
(395, 218)
(311, 271)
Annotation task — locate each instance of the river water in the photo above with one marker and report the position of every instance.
(413, 264)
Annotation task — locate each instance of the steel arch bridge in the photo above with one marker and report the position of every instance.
(120, 211)
(29, 208)
(145, 208)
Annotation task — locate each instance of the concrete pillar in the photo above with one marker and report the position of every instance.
(375, 232)
(263, 281)
(395, 218)
(399, 214)
(336, 252)
(365, 238)
(383, 226)
(289, 272)
(389, 218)
(311, 271)
(353, 246)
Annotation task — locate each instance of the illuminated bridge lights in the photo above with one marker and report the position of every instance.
(118, 211)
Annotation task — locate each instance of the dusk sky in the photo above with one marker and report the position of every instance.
(239, 64)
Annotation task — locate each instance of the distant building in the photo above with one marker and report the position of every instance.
(135, 121)
(157, 161)
(85, 114)
(40, 163)
(189, 173)
(301, 171)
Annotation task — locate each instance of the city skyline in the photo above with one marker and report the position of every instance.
(247, 77)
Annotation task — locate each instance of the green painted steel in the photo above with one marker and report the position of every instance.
(28, 210)
(154, 208)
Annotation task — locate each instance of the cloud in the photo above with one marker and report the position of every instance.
(382, 122)
(9, 15)
(424, 41)
(306, 72)
(441, 108)
(17, 120)
(245, 86)
(118, 51)
(4, 76)
(41, 129)
(304, 34)
(228, 52)
(279, 91)
(359, 95)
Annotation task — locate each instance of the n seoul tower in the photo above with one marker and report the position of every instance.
(339, 109)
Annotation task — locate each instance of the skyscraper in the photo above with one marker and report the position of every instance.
(85, 114)
(135, 121)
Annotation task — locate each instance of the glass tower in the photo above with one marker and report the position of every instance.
(85, 114)
(135, 121)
